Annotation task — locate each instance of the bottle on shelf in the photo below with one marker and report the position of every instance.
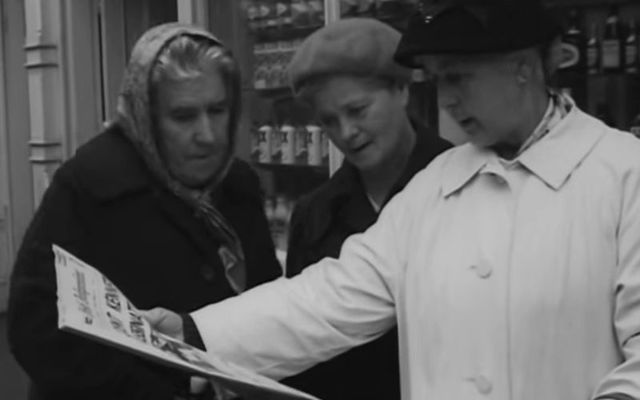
(573, 44)
(276, 145)
(594, 50)
(302, 146)
(314, 145)
(316, 12)
(284, 15)
(300, 13)
(612, 42)
(631, 58)
(264, 143)
(287, 143)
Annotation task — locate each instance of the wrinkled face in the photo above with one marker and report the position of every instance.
(481, 93)
(192, 121)
(364, 118)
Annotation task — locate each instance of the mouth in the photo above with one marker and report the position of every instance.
(466, 123)
(359, 148)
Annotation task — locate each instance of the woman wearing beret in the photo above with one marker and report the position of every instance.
(346, 73)
(158, 203)
(511, 263)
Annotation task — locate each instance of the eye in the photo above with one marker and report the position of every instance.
(358, 110)
(218, 109)
(183, 115)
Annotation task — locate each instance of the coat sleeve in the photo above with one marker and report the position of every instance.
(60, 364)
(623, 383)
(286, 326)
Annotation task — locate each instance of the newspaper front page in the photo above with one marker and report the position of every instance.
(92, 306)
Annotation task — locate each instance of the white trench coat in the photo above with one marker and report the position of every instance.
(515, 281)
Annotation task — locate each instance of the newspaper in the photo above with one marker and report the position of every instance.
(92, 306)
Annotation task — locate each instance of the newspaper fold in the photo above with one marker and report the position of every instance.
(92, 306)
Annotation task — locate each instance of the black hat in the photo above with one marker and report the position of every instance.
(474, 27)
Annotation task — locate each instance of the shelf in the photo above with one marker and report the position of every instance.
(294, 168)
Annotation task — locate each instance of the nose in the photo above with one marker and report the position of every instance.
(447, 98)
(348, 130)
(206, 132)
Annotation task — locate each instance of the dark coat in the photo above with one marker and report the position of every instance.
(320, 223)
(104, 207)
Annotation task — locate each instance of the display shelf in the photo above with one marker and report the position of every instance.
(322, 170)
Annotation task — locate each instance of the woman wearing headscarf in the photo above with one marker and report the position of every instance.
(158, 203)
(345, 71)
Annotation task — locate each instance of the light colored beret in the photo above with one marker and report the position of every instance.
(358, 46)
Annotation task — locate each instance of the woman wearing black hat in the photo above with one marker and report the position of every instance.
(346, 73)
(511, 263)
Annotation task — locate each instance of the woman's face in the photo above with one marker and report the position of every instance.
(192, 122)
(363, 117)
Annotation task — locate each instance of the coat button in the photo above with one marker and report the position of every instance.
(482, 383)
(208, 273)
(483, 270)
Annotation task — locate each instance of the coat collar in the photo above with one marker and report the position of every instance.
(343, 197)
(552, 159)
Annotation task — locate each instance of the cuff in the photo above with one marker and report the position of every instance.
(190, 332)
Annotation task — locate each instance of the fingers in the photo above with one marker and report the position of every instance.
(156, 316)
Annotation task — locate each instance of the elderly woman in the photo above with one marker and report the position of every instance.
(346, 73)
(158, 204)
(511, 263)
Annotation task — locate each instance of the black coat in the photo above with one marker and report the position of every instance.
(105, 207)
(320, 223)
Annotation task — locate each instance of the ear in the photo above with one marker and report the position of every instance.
(524, 69)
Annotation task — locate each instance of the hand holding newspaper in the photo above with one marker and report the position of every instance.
(91, 306)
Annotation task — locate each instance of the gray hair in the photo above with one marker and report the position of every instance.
(188, 56)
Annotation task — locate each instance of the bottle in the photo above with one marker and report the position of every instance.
(287, 143)
(314, 144)
(611, 42)
(302, 139)
(594, 51)
(300, 13)
(285, 18)
(631, 49)
(265, 133)
(253, 15)
(316, 12)
(573, 45)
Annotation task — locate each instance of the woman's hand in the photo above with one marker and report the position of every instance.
(165, 321)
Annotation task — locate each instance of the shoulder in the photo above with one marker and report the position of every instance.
(241, 182)
(340, 186)
(106, 166)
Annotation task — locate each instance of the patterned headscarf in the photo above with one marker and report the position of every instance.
(135, 117)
